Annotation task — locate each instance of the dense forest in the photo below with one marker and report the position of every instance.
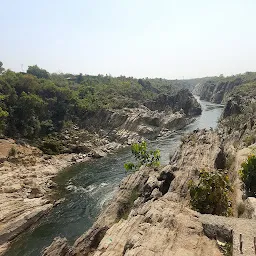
(36, 103)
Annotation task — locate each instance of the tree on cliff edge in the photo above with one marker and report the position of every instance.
(1, 67)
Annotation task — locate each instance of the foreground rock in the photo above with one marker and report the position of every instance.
(25, 186)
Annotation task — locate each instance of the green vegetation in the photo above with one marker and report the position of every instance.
(246, 88)
(37, 104)
(227, 249)
(248, 175)
(12, 152)
(38, 72)
(1, 67)
(240, 208)
(143, 157)
(3, 116)
(210, 194)
(51, 145)
(249, 140)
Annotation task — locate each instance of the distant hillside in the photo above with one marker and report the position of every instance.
(218, 89)
(36, 104)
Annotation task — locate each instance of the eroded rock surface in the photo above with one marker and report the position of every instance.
(149, 214)
(25, 184)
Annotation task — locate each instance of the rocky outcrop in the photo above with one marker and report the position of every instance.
(24, 220)
(127, 125)
(216, 90)
(149, 214)
(144, 123)
(25, 186)
(149, 120)
(233, 107)
(182, 100)
(160, 227)
(219, 89)
(59, 247)
(237, 124)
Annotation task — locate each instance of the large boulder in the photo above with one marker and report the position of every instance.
(233, 107)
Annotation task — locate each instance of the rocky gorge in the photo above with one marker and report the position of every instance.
(151, 214)
(219, 89)
(26, 176)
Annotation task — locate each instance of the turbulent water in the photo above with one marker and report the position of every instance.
(88, 187)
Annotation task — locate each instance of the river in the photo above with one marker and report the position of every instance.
(89, 186)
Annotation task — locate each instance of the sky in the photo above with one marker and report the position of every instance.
(172, 39)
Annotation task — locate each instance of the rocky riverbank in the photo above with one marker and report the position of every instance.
(26, 173)
(151, 214)
(26, 184)
(127, 125)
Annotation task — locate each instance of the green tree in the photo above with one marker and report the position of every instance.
(1, 67)
(12, 152)
(248, 175)
(3, 116)
(210, 194)
(28, 113)
(143, 157)
(79, 78)
(38, 72)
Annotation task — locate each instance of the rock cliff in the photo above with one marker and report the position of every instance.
(26, 177)
(218, 89)
(149, 120)
(151, 215)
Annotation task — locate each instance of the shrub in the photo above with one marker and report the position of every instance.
(210, 194)
(248, 175)
(249, 140)
(51, 146)
(143, 157)
(240, 208)
(227, 249)
(12, 152)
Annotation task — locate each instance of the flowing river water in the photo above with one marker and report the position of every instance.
(87, 187)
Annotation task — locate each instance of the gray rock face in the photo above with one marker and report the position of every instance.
(182, 100)
(233, 107)
(216, 91)
(129, 125)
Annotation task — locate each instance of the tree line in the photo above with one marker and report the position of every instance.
(36, 103)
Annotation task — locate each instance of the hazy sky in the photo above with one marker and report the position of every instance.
(140, 38)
